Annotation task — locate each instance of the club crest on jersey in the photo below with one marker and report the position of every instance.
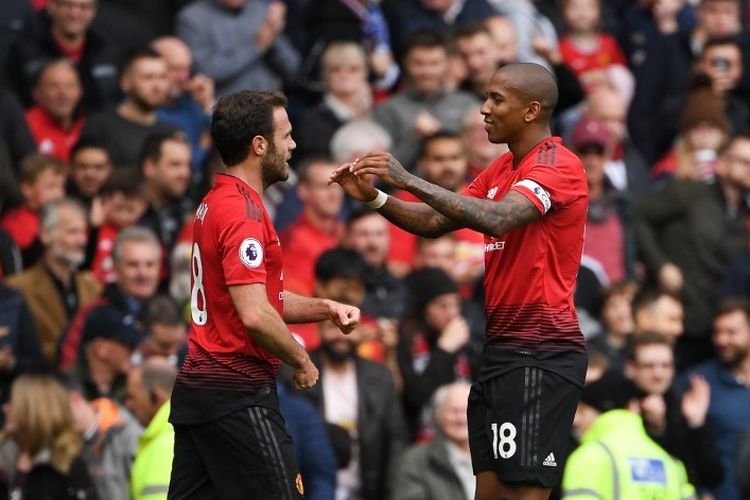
(200, 214)
(491, 193)
(251, 252)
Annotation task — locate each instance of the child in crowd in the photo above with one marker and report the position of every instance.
(42, 179)
(594, 57)
(123, 200)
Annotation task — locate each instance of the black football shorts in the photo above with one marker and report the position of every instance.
(519, 425)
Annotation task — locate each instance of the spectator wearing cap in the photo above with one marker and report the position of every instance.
(689, 232)
(616, 458)
(608, 246)
(435, 343)
(101, 337)
(703, 132)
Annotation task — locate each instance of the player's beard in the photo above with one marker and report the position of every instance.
(273, 167)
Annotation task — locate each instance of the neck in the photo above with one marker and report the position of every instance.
(325, 222)
(249, 172)
(67, 40)
(525, 142)
(583, 36)
(339, 368)
(156, 197)
(60, 270)
(64, 122)
(135, 113)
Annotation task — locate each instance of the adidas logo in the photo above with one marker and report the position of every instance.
(550, 460)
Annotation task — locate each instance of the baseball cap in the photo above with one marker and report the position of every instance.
(590, 132)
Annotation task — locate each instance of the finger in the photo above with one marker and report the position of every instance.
(354, 316)
(378, 171)
(343, 317)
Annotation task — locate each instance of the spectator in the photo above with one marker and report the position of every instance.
(357, 138)
(122, 203)
(727, 377)
(608, 240)
(373, 416)
(627, 170)
(658, 311)
(53, 120)
(239, 44)
(65, 32)
(164, 322)
(165, 162)
(43, 444)
(42, 181)
(312, 446)
(442, 161)
(15, 143)
(409, 17)
(89, 169)
(124, 129)
(617, 324)
(426, 105)
(110, 438)
(333, 21)
(10, 256)
(587, 51)
(434, 346)
(17, 19)
(612, 433)
(721, 60)
(137, 256)
(149, 389)
(190, 99)
(475, 44)
(367, 233)
(316, 230)
(53, 288)
(689, 232)
(20, 351)
(677, 422)
(743, 463)
(704, 131)
(441, 469)
(347, 96)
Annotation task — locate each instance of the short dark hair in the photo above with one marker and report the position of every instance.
(33, 164)
(639, 340)
(425, 40)
(152, 146)
(437, 136)
(340, 263)
(648, 297)
(163, 310)
(357, 213)
(718, 41)
(241, 116)
(470, 30)
(731, 305)
(127, 181)
(87, 142)
(303, 169)
(135, 55)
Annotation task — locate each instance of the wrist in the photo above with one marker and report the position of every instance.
(378, 201)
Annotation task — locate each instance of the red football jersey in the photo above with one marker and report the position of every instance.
(530, 272)
(234, 243)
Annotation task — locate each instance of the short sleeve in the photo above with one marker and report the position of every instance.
(553, 186)
(242, 244)
(478, 187)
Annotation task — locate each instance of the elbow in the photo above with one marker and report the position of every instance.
(251, 320)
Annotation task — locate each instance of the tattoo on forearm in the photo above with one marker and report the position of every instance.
(417, 218)
(493, 218)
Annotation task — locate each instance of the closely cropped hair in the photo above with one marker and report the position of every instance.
(720, 42)
(437, 136)
(734, 304)
(340, 263)
(62, 61)
(137, 55)
(639, 340)
(87, 143)
(49, 215)
(45, 420)
(163, 310)
(133, 233)
(425, 40)
(648, 297)
(127, 181)
(241, 116)
(34, 164)
(152, 146)
(471, 30)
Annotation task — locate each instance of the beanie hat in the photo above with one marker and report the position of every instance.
(428, 284)
(703, 106)
(609, 392)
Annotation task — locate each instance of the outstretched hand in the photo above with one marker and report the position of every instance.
(384, 165)
(360, 187)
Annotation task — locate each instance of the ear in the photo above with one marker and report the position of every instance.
(148, 167)
(303, 191)
(259, 145)
(629, 369)
(125, 84)
(27, 190)
(533, 110)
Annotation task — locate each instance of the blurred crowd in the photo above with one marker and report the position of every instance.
(105, 152)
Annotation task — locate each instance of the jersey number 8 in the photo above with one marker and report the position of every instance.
(198, 308)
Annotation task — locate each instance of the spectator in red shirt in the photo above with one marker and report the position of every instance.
(42, 180)
(316, 230)
(53, 121)
(587, 51)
